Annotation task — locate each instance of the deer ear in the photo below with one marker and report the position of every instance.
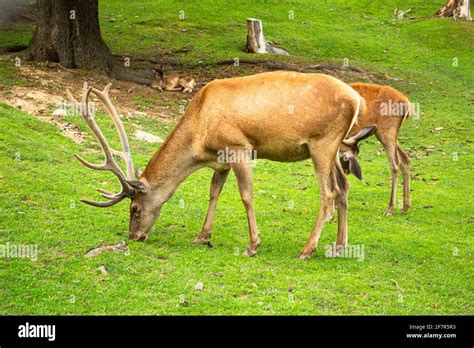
(354, 167)
(139, 186)
(138, 172)
(364, 133)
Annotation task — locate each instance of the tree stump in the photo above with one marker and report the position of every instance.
(256, 42)
(456, 8)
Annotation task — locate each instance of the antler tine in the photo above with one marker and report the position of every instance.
(106, 166)
(86, 91)
(125, 153)
(105, 192)
(104, 204)
(90, 165)
(109, 195)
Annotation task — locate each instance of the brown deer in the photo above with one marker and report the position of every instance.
(387, 108)
(171, 82)
(283, 116)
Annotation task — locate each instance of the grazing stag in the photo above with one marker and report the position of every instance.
(387, 108)
(283, 116)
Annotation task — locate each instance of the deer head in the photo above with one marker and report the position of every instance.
(144, 209)
(349, 150)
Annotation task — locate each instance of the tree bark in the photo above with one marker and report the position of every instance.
(456, 8)
(68, 32)
(256, 42)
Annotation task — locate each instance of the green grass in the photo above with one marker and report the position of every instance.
(428, 252)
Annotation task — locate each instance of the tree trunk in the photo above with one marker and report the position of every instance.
(68, 32)
(456, 8)
(256, 42)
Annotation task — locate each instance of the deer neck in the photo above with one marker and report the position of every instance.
(171, 165)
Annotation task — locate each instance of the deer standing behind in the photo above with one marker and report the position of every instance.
(171, 82)
(283, 116)
(387, 108)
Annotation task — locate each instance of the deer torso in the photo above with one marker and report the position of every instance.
(275, 113)
(386, 107)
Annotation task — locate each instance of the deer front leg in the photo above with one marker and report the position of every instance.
(243, 172)
(312, 243)
(217, 182)
(324, 165)
(325, 213)
(391, 150)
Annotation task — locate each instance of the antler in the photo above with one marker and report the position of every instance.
(110, 164)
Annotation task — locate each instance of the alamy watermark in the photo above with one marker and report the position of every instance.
(400, 109)
(10, 251)
(353, 251)
(37, 331)
(228, 155)
(71, 109)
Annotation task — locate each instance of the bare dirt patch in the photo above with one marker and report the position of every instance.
(148, 137)
(37, 103)
(131, 99)
(42, 94)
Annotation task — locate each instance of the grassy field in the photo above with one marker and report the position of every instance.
(417, 263)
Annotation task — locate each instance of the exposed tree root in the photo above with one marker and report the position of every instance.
(142, 76)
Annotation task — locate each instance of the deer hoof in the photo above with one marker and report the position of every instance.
(389, 212)
(200, 241)
(405, 209)
(251, 252)
(304, 256)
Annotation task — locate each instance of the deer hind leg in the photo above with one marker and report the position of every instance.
(324, 163)
(217, 182)
(243, 172)
(405, 167)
